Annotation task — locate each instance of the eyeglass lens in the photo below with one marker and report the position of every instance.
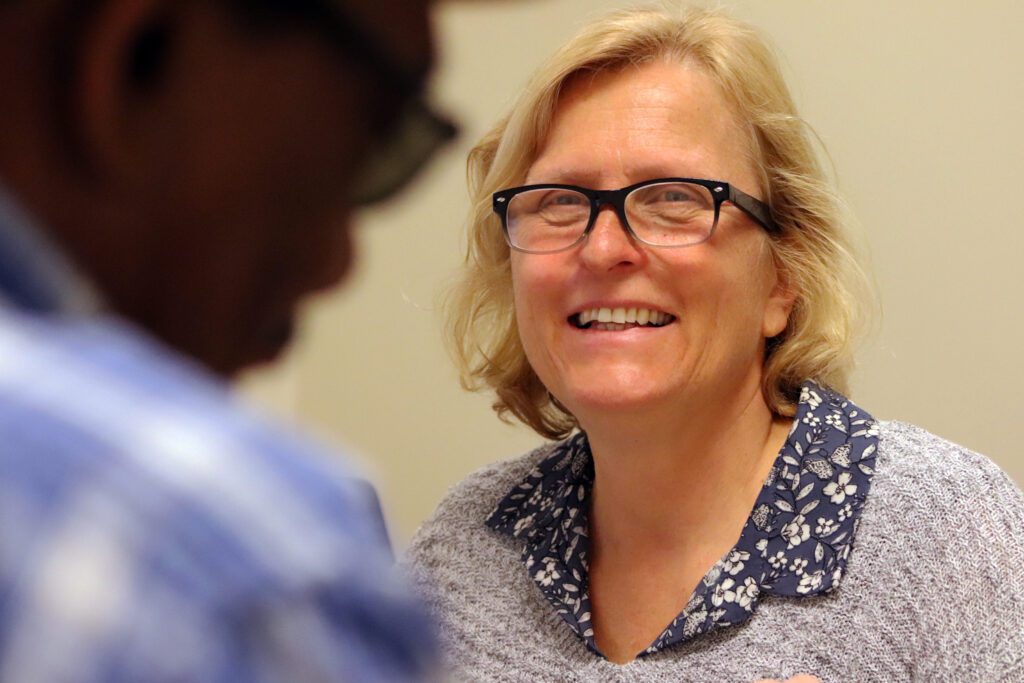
(662, 214)
(398, 156)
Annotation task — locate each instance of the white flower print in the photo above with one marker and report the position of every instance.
(535, 497)
(735, 562)
(797, 531)
(825, 527)
(724, 593)
(845, 512)
(798, 566)
(742, 595)
(839, 490)
(747, 593)
(694, 620)
(524, 523)
(810, 582)
(834, 420)
(810, 397)
(548, 575)
(778, 560)
(811, 420)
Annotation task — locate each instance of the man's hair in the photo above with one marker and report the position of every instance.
(813, 253)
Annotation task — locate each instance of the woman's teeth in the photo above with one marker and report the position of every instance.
(620, 318)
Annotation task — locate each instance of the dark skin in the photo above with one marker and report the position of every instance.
(203, 192)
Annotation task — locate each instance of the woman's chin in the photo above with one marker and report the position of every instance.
(614, 385)
(616, 400)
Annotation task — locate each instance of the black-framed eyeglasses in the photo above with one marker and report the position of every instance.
(663, 212)
(411, 132)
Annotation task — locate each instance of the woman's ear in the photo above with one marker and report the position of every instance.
(117, 75)
(780, 302)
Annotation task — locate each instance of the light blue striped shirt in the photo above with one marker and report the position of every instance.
(152, 528)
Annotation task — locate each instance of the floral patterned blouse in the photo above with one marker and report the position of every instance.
(796, 541)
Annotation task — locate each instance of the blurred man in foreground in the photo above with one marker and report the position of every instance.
(175, 175)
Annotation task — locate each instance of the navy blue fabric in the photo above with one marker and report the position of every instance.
(796, 541)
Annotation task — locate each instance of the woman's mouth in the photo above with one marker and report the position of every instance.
(615, 319)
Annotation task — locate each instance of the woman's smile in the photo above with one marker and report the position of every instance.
(616, 319)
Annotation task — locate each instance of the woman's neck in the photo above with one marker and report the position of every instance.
(685, 480)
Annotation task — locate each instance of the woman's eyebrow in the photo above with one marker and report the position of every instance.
(564, 176)
(679, 167)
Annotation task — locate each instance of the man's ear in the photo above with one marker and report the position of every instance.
(121, 59)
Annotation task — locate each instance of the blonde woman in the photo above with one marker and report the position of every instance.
(658, 278)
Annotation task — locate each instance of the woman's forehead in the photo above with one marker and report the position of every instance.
(653, 120)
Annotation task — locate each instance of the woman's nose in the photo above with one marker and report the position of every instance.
(610, 244)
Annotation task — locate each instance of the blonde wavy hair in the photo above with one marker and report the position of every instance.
(812, 252)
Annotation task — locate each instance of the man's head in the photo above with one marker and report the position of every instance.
(200, 159)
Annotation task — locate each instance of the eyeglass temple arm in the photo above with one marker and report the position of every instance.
(754, 208)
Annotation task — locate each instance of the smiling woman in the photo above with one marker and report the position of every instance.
(721, 298)
(659, 275)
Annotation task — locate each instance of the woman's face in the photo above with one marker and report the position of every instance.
(723, 297)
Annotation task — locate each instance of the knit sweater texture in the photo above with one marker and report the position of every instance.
(934, 589)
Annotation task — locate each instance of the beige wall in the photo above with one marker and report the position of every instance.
(922, 107)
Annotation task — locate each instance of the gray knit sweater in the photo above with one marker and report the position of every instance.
(934, 589)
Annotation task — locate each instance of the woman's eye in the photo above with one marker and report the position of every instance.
(676, 196)
(560, 200)
(566, 200)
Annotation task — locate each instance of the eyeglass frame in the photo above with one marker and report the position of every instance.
(721, 192)
(409, 85)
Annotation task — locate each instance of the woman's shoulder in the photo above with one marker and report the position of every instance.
(920, 465)
(477, 494)
(933, 498)
(460, 515)
(946, 525)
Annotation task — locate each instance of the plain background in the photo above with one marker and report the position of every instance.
(921, 106)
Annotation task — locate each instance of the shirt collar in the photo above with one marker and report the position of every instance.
(796, 541)
(35, 275)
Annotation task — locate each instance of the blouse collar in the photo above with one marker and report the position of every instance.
(795, 543)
